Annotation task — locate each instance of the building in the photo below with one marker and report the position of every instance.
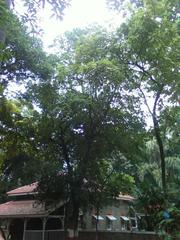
(25, 219)
(113, 217)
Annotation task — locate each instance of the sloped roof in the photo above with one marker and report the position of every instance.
(22, 208)
(31, 189)
(27, 208)
(24, 190)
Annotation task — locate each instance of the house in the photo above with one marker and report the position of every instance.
(24, 218)
(113, 217)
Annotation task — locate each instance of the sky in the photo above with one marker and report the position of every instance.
(80, 14)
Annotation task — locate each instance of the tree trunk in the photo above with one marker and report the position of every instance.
(75, 222)
(66, 219)
(159, 143)
(5, 4)
(161, 152)
(97, 221)
(157, 135)
(2, 36)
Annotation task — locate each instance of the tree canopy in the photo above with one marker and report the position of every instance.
(80, 123)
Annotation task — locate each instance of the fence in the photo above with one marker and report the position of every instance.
(48, 235)
(106, 235)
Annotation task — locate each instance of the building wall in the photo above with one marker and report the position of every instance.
(90, 235)
(116, 209)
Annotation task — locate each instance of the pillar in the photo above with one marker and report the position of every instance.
(44, 228)
(24, 231)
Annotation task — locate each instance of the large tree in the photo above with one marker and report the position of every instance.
(84, 115)
(29, 18)
(22, 61)
(149, 45)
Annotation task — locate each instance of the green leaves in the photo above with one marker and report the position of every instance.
(170, 227)
(57, 6)
(84, 115)
(81, 114)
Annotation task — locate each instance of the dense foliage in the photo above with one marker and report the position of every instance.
(79, 126)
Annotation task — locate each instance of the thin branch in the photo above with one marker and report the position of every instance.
(145, 101)
(144, 71)
(155, 102)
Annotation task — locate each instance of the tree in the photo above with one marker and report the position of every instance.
(29, 18)
(149, 45)
(86, 118)
(23, 62)
(3, 12)
(19, 165)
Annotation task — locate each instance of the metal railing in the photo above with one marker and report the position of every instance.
(48, 234)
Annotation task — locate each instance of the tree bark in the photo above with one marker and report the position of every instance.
(159, 143)
(2, 36)
(157, 135)
(6, 4)
(2, 233)
(74, 219)
(97, 221)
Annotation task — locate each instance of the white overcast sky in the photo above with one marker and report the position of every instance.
(80, 14)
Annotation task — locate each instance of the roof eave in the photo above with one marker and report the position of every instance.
(21, 194)
(24, 216)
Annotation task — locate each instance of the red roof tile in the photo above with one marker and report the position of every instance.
(30, 189)
(27, 189)
(22, 208)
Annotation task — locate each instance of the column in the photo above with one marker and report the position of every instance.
(44, 228)
(62, 221)
(24, 231)
(7, 233)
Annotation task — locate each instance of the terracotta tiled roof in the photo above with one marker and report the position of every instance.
(22, 208)
(27, 189)
(31, 189)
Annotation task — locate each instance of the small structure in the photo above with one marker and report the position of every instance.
(23, 218)
(113, 217)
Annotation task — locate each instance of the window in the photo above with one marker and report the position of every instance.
(95, 220)
(34, 224)
(109, 222)
(81, 222)
(53, 224)
(133, 223)
(124, 223)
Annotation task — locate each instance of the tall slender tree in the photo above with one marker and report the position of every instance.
(149, 45)
(86, 118)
